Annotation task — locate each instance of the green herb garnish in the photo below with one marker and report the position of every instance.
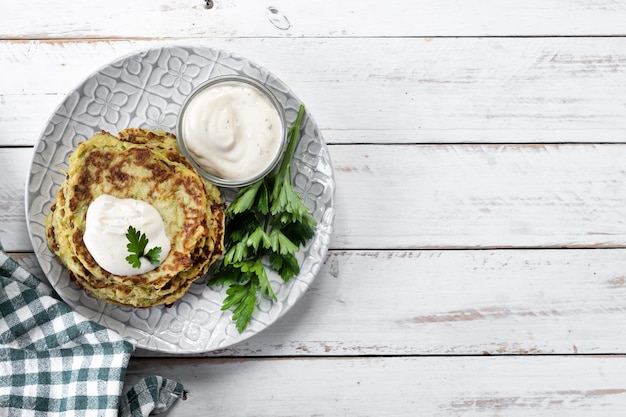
(137, 243)
(267, 221)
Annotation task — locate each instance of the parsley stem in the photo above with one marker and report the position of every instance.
(293, 135)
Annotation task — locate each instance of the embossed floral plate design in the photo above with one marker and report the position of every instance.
(146, 90)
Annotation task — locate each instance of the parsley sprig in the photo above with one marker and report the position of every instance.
(137, 243)
(267, 224)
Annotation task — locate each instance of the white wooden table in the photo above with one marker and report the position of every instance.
(478, 261)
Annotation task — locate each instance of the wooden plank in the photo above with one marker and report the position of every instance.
(286, 18)
(13, 167)
(449, 196)
(455, 303)
(414, 386)
(520, 90)
(480, 196)
(451, 303)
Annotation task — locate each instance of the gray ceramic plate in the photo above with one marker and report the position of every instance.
(146, 89)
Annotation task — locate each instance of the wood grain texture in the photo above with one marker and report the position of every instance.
(452, 196)
(499, 195)
(377, 90)
(418, 386)
(13, 168)
(287, 18)
(485, 302)
(455, 303)
(477, 264)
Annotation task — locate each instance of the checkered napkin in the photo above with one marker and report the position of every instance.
(55, 362)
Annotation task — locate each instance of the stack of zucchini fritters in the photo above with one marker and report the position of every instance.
(144, 165)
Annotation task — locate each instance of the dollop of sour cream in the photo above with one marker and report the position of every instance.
(108, 219)
(232, 130)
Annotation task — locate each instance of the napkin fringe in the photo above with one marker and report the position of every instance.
(151, 395)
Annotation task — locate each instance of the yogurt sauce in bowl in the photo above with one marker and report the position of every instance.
(232, 129)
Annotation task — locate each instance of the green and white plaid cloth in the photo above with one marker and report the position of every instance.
(55, 362)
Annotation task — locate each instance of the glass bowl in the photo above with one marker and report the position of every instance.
(212, 176)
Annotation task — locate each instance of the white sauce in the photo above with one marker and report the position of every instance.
(107, 223)
(232, 130)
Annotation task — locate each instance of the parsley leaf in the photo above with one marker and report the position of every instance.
(243, 298)
(245, 199)
(286, 265)
(267, 221)
(137, 243)
(153, 255)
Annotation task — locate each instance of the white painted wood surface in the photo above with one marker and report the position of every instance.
(377, 90)
(479, 255)
(451, 302)
(55, 19)
(401, 386)
(437, 196)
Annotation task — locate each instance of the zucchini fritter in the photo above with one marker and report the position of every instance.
(144, 165)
